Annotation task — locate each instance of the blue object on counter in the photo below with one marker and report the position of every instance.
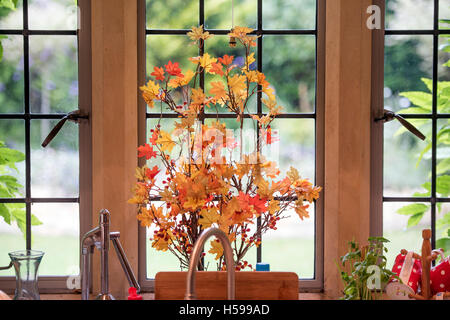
(262, 266)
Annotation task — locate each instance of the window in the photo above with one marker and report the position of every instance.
(38, 86)
(416, 172)
(287, 53)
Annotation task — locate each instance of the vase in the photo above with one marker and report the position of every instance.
(26, 265)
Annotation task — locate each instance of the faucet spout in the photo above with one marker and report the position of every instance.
(195, 256)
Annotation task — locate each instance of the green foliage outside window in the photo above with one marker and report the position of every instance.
(422, 104)
(11, 188)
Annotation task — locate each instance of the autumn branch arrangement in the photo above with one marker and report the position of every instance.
(203, 184)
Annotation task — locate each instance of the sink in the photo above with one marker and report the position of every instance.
(212, 285)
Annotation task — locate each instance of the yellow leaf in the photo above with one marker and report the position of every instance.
(166, 141)
(145, 217)
(237, 82)
(193, 203)
(208, 217)
(206, 61)
(161, 244)
(273, 206)
(218, 90)
(197, 33)
(216, 248)
(293, 174)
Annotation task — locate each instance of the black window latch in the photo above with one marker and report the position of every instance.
(73, 116)
(389, 116)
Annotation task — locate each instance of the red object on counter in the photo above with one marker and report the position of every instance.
(132, 294)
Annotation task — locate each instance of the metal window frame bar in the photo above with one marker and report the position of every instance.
(56, 284)
(309, 285)
(434, 116)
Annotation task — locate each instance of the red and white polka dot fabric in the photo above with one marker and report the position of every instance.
(440, 276)
(412, 270)
(409, 270)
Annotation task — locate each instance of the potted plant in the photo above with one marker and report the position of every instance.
(205, 176)
(363, 270)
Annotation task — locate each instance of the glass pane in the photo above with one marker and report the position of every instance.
(407, 172)
(289, 64)
(172, 14)
(218, 46)
(443, 227)
(218, 14)
(444, 13)
(12, 19)
(12, 133)
(161, 49)
(11, 239)
(407, 14)
(289, 14)
(53, 74)
(52, 14)
(444, 75)
(296, 146)
(397, 231)
(11, 76)
(443, 158)
(408, 73)
(58, 236)
(55, 169)
(291, 246)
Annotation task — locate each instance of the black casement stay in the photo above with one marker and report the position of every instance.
(74, 116)
(389, 115)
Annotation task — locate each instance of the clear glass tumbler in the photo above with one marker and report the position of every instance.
(26, 264)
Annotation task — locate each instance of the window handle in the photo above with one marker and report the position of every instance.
(389, 116)
(74, 116)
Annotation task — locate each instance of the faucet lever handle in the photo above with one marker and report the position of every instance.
(124, 261)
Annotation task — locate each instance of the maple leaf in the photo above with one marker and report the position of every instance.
(258, 204)
(208, 217)
(198, 33)
(151, 173)
(198, 97)
(218, 90)
(193, 203)
(145, 217)
(216, 68)
(300, 209)
(250, 59)
(237, 82)
(158, 73)
(150, 92)
(173, 68)
(146, 151)
(160, 244)
(165, 141)
(216, 248)
(226, 60)
(273, 207)
(293, 174)
(206, 61)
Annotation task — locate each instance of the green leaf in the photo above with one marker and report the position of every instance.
(443, 243)
(415, 219)
(4, 212)
(419, 99)
(10, 156)
(413, 209)
(10, 4)
(443, 185)
(443, 166)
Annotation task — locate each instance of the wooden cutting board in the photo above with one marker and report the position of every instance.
(212, 285)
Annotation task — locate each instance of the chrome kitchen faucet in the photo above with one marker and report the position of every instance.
(99, 237)
(195, 256)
